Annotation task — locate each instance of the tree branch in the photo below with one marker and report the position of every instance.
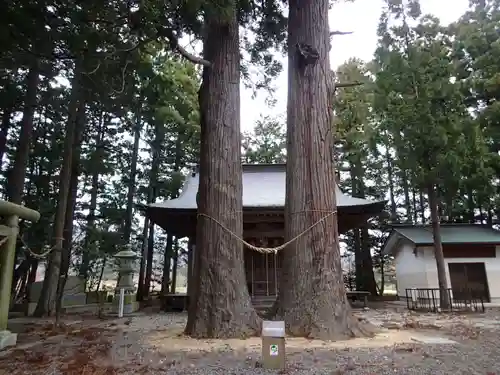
(175, 46)
(348, 84)
(336, 32)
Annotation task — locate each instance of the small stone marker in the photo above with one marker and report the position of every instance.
(273, 344)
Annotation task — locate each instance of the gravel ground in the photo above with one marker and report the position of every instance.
(153, 344)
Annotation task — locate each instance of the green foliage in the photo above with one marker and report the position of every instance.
(428, 109)
(417, 97)
(266, 143)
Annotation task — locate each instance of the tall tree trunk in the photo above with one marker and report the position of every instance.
(175, 255)
(369, 283)
(406, 192)
(422, 206)
(90, 235)
(18, 173)
(190, 267)
(449, 198)
(142, 267)
(46, 302)
(221, 305)
(358, 264)
(356, 233)
(149, 260)
(127, 230)
(29, 285)
(489, 221)
(4, 131)
(20, 274)
(70, 210)
(392, 195)
(165, 281)
(66, 248)
(438, 248)
(470, 205)
(156, 148)
(414, 202)
(168, 250)
(312, 295)
(365, 276)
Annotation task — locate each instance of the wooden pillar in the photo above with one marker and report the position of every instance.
(7, 259)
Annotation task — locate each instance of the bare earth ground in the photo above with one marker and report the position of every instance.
(154, 344)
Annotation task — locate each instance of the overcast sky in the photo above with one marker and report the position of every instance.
(360, 17)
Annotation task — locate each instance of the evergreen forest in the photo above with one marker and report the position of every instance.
(106, 107)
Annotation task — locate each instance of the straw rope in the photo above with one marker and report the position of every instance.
(269, 250)
(36, 255)
(27, 248)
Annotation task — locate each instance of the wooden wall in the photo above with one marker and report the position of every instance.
(469, 251)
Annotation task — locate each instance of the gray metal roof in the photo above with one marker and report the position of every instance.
(263, 187)
(450, 234)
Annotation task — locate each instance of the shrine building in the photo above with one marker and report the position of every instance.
(263, 220)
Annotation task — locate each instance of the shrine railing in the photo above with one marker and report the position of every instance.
(428, 299)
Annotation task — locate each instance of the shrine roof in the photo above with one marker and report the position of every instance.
(422, 235)
(263, 187)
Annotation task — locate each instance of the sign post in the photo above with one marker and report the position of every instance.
(273, 344)
(121, 302)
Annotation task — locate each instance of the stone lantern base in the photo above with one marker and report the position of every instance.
(130, 305)
(126, 259)
(7, 339)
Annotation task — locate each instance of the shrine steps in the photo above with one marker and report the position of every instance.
(262, 303)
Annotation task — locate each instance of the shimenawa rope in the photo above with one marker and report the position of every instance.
(42, 255)
(269, 250)
(31, 252)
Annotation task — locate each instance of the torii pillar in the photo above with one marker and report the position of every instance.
(12, 213)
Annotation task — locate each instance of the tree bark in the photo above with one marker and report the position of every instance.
(18, 174)
(175, 257)
(156, 148)
(471, 206)
(392, 195)
(90, 235)
(46, 302)
(142, 267)
(365, 277)
(221, 305)
(4, 131)
(414, 202)
(438, 248)
(369, 283)
(127, 230)
(312, 295)
(422, 206)
(406, 192)
(149, 260)
(169, 249)
(29, 285)
(70, 210)
(190, 268)
(165, 281)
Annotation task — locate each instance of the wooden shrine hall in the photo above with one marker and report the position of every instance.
(263, 220)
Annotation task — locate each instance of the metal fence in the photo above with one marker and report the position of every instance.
(428, 299)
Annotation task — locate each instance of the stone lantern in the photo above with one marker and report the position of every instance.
(126, 267)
